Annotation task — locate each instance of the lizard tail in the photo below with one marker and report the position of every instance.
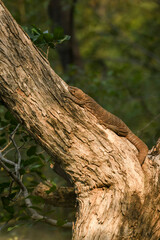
(140, 145)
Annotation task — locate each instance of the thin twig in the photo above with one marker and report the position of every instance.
(1, 129)
(34, 214)
(9, 150)
(17, 167)
(6, 160)
(16, 178)
(9, 143)
(15, 130)
(10, 188)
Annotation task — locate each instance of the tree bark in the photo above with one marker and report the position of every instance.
(60, 197)
(117, 198)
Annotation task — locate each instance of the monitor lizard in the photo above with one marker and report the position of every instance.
(108, 119)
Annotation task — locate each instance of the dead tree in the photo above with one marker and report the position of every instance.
(117, 198)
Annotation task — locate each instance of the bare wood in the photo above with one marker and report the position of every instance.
(117, 198)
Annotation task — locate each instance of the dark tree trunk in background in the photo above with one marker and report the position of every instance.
(62, 15)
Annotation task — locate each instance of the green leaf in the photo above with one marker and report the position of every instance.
(6, 202)
(40, 155)
(3, 123)
(12, 195)
(66, 37)
(36, 30)
(35, 166)
(61, 222)
(22, 171)
(35, 38)
(2, 141)
(3, 186)
(5, 217)
(48, 37)
(15, 226)
(36, 208)
(39, 40)
(36, 199)
(8, 115)
(52, 45)
(31, 151)
(52, 188)
(41, 175)
(58, 33)
(31, 160)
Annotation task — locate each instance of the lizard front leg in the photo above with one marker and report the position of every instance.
(120, 131)
(76, 100)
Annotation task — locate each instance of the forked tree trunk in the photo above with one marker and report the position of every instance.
(117, 198)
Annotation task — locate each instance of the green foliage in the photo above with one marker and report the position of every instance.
(3, 186)
(52, 188)
(12, 228)
(6, 204)
(61, 222)
(33, 164)
(44, 38)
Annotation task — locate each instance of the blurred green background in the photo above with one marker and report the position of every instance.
(113, 55)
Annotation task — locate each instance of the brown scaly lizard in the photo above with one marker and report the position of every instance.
(108, 119)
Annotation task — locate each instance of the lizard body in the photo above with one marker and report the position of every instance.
(108, 119)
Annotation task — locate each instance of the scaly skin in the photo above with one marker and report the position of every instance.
(109, 120)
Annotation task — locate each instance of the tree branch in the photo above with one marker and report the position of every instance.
(61, 197)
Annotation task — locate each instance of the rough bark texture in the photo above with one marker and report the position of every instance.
(117, 198)
(61, 197)
(109, 120)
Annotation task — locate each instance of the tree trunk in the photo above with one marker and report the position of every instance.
(117, 198)
(62, 15)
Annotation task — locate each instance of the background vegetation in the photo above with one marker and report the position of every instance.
(116, 59)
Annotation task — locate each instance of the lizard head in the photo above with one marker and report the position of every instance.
(76, 92)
